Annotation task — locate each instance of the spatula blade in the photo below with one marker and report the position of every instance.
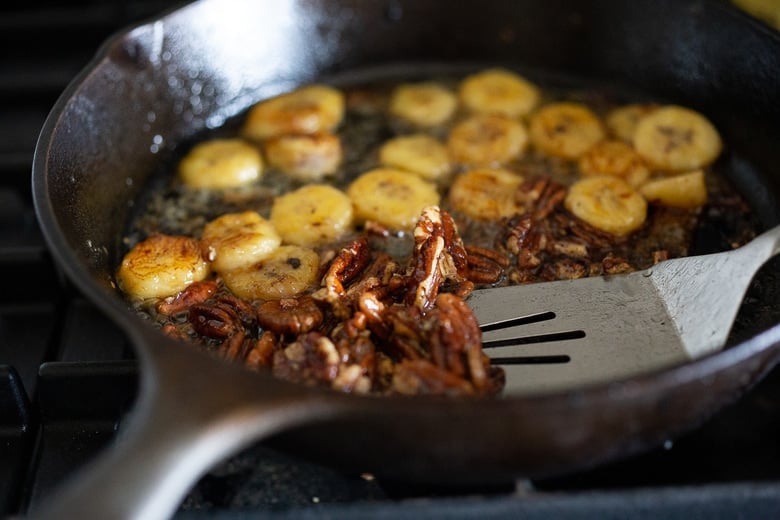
(577, 332)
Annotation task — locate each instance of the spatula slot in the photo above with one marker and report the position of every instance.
(521, 320)
(531, 360)
(541, 338)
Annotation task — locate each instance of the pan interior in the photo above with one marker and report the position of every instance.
(535, 362)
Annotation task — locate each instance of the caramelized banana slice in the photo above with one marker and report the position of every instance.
(498, 91)
(236, 240)
(221, 163)
(305, 157)
(286, 272)
(621, 121)
(565, 129)
(607, 203)
(308, 110)
(687, 190)
(677, 138)
(485, 193)
(392, 198)
(161, 266)
(417, 153)
(614, 158)
(311, 215)
(485, 140)
(425, 104)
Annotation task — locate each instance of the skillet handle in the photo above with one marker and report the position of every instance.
(191, 412)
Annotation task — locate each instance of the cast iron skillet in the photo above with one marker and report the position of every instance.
(163, 82)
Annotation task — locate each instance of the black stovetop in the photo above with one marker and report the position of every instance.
(68, 375)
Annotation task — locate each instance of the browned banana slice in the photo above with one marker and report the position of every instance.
(236, 240)
(498, 91)
(565, 129)
(312, 215)
(418, 153)
(221, 163)
(308, 110)
(392, 198)
(677, 138)
(286, 272)
(614, 158)
(686, 190)
(607, 203)
(161, 266)
(305, 157)
(486, 193)
(485, 140)
(621, 121)
(424, 104)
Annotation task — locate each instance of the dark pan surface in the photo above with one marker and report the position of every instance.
(164, 82)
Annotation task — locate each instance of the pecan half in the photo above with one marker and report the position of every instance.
(290, 316)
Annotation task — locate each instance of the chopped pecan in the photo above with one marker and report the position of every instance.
(526, 238)
(353, 342)
(660, 255)
(290, 316)
(261, 353)
(438, 256)
(222, 318)
(373, 313)
(456, 340)
(236, 346)
(591, 235)
(616, 265)
(485, 265)
(462, 289)
(540, 196)
(420, 376)
(244, 311)
(345, 267)
(573, 247)
(352, 379)
(563, 269)
(311, 358)
(214, 321)
(405, 339)
(195, 293)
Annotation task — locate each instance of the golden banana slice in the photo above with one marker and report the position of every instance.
(424, 104)
(221, 163)
(417, 153)
(621, 121)
(305, 157)
(614, 158)
(485, 140)
(486, 193)
(607, 203)
(311, 215)
(498, 91)
(288, 271)
(393, 198)
(161, 266)
(677, 138)
(311, 109)
(565, 129)
(235, 240)
(686, 190)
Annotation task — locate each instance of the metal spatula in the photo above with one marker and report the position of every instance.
(556, 335)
